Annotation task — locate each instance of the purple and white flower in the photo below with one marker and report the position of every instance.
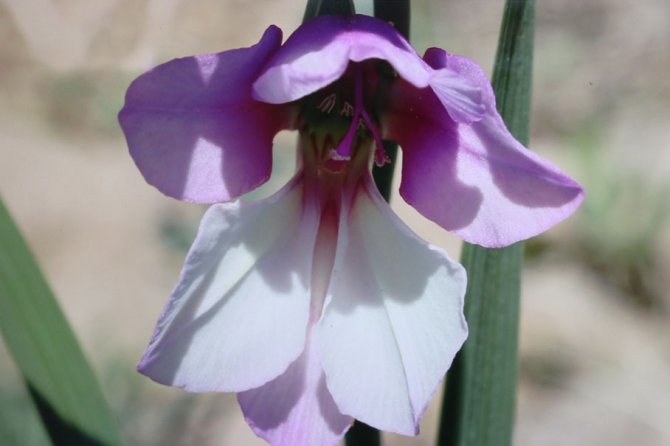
(318, 305)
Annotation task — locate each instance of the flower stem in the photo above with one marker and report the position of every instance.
(479, 402)
(361, 434)
(316, 8)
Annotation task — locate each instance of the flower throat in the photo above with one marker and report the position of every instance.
(337, 129)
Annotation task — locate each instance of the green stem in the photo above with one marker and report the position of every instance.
(479, 402)
(316, 8)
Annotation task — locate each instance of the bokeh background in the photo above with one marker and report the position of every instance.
(595, 333)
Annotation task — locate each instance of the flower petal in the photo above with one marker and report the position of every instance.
(474, 179)
(393, 320)
(318, 53)
(296, 408)
(193, 128)
(238, 316)
(460, 97)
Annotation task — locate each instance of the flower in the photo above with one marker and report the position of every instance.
(318, 305)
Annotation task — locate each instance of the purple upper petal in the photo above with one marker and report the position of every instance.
(318, 53)
(461, 97)
(474, 179)
(193, 128)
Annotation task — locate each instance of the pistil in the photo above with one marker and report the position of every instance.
(338, 130)
(360, 117)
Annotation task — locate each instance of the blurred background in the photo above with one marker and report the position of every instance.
(595, 333)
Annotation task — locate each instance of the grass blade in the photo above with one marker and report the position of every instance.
(479, 403)
(315, 8)
(59, 379)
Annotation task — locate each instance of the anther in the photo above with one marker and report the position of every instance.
(347, 110)
(328, 103)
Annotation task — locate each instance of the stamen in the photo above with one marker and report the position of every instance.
(343, 149)
(360, 120)
(381, 157)
(347, 110)
(326, 106)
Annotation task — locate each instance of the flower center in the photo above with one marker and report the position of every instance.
(337, 128)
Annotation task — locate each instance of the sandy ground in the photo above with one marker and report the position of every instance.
(595, 356)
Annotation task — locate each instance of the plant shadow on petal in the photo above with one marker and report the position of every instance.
(521, 176)
(284, 392)
(431, 183)
(394, 302)
(337, 422)
(381, 258)
(430, 142)
(293, 395)
(194, 130)
(278, 252)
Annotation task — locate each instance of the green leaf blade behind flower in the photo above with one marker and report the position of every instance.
(315, 8)
(480, 396)
(49, 358)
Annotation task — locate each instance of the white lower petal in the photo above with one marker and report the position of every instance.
(393, 319)
(238, 316)
(296, 409)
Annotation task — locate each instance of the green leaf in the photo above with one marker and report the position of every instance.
(479, 402)
(59, 380)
